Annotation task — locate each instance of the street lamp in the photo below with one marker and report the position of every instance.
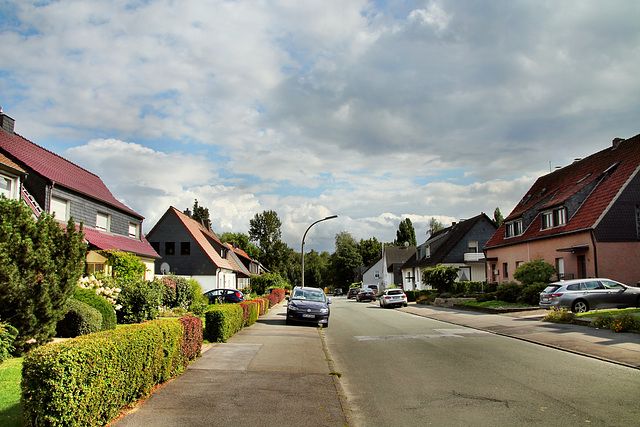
(305, 235)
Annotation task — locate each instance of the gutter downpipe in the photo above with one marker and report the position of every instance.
(595, 252)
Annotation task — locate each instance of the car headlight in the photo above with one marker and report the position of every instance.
(324, 310)
(293, 307)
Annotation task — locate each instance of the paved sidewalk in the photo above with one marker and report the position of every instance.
(620, 348)
(268, 374)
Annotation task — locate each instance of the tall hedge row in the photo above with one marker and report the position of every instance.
(88, 380)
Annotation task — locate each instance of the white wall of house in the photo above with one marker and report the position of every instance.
(373, 276)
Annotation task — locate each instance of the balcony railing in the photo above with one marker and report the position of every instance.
(473, 256)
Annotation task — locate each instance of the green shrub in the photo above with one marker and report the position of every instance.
(489, 296)
(80, 319)
(509, 292)
(531, 293)
(139, 301)
(260, 284)
(105, 308)
(199, 302)
(467, 288)
(7, 336)
(88, 380)
(536, 271)
(440, 277)
(222, 321)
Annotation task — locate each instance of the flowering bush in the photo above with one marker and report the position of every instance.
(558, 315)
(110, 293)
(623, 322)
(176, 291)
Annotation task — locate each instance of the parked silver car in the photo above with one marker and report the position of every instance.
(582, 295)
(393, 297)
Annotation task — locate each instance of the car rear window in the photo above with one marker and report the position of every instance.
(395, 292)
(550, 288)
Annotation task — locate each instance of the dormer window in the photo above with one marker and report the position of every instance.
(513, 228)
(554, 218)
(102, 221)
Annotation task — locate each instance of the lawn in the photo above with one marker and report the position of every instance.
(10, 410)
(612, 312)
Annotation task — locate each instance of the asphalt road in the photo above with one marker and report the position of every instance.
(399, 369)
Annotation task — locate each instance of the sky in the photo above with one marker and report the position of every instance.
(375, 111)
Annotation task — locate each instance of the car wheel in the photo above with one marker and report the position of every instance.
(405, 304)
(380, 303)
(580, 306)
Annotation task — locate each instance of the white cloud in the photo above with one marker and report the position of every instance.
(375, 111)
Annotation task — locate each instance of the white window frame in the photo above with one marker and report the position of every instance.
(12, 183)
(56, 207)
(134, 230)
(513, 228)
(553, 218)
(105, 224)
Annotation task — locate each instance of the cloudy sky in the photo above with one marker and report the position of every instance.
(374, 111)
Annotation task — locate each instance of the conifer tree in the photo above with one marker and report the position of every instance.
(40, 264)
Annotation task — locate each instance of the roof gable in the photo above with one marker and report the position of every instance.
(202, 236)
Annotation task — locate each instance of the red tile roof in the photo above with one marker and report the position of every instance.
(609, 170)
(59, 170)
(112, 241)
(201, 235)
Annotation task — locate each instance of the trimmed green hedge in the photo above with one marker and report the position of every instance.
(80, 319)
(90, 379)
(89, 296)
(222, 321)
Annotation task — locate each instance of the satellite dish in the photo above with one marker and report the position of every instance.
(164, 268)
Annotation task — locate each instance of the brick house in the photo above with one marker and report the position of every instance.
(55, 185)
(583, 218)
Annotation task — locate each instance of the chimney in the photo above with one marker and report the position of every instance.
(616, 142)
(187, 212)
(453, 224)
(6, 122)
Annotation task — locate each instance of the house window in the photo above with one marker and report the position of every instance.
(103, 221)
(560, 268)
(505, 270)
(6, 187)
(427, 251)
(133, 230)
(513, 228)
(59, 207)
(169, 248)
(473, 247)
(185, 248)
(554, 218)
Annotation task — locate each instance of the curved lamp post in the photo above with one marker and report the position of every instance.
(305, 235)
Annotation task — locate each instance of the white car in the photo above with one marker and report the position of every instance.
(393, 297)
